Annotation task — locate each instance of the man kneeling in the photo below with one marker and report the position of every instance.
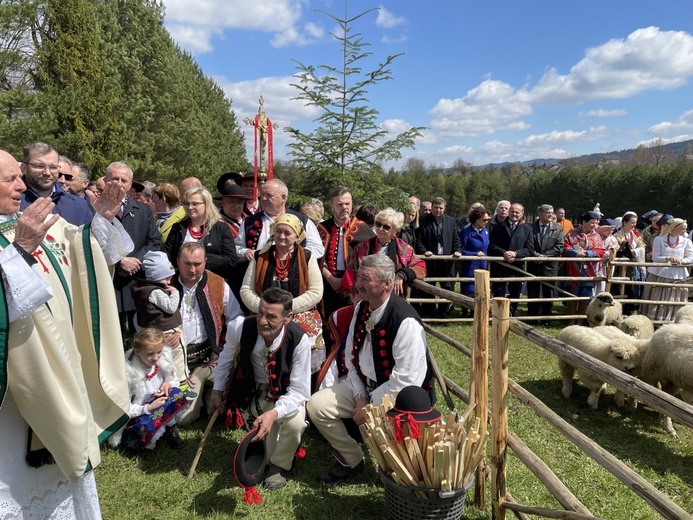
(385, 352)
(270, 380)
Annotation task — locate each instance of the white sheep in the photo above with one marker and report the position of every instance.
(620, 353)
(639, 326)
(684, 314)
(604, 309)
(669, 363)
(641, 346)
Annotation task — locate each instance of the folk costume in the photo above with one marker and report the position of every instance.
(385, 352)
(407, 265)
(265, 378)
(301, 277)
(206, 309)
(339, 242)
(62, 372)
(593, 246)
(257, 231)
(145, 428)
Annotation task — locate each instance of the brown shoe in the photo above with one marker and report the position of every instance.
(337, 472)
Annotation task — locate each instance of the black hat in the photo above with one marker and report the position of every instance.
(137, 186)
(231, 190)
(650, 214)
(247, 175)
(413, 406)
(222, 182)
(250, 461)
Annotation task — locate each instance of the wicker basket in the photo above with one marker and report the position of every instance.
(401, 503)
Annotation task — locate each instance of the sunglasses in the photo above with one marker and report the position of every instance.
(68, 177)
(384, 226)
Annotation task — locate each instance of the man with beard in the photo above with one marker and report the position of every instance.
(344, 232)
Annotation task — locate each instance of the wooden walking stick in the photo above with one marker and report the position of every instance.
(210, 424)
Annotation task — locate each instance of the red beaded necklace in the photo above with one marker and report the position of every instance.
(674, 244)
(197, 235)
(154, 372)
(282, 266)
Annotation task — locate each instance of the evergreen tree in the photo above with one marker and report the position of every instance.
(348, 146)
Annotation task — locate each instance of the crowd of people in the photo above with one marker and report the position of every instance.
(231, 301)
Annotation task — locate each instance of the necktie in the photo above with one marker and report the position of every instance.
(543, 230)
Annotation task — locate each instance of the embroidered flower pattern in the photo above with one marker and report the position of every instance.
(57, 248)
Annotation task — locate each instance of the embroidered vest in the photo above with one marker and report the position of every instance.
(383, 337)
(279, 362)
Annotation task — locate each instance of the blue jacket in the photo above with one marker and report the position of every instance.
(72, 208)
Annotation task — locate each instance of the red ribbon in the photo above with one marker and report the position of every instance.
(414, 431)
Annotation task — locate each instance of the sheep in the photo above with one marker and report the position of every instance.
(603, 309)
(669, 363)
(639, 326)
(641, 347)
(620, 353)
(684, 314)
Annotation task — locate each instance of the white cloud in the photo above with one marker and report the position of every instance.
(647, 59)
(193, 23)
(387, 19)
(279, 107)
(488, 108)
(660, 140)
(603, 113)
(557, 137)
(684, 123)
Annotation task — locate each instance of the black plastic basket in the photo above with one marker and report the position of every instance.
(402, 503)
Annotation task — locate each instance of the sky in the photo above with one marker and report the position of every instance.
(492, 81)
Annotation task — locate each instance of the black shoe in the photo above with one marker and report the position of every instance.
(337, 472)
(172, 438)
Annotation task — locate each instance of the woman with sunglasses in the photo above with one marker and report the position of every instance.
(203, 224)
(385, 242)
(474, 242)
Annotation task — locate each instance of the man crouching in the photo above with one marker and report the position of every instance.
(270, 379)
(386, 351)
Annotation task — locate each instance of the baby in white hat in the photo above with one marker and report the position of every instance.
(157, 303)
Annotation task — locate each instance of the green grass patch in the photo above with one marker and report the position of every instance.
(154, 485)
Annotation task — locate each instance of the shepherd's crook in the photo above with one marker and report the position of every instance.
(210, 424)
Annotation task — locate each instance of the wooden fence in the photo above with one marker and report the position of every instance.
(613, 277)
(502, 438)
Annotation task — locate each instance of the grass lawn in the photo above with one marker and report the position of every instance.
(154, 485)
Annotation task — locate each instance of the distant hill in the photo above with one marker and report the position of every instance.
(671, 149)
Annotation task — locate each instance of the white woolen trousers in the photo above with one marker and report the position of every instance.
(326, 409)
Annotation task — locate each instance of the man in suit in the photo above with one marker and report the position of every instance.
(437, 235)
(513, 240)
(547, 242)
(138, 221)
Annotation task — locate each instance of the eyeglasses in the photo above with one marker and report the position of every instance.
(485, 219)
(384, 226)
(41, 167)
(192, 204)
(68, 176)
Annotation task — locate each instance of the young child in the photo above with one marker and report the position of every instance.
(156, 399)
(157, 304)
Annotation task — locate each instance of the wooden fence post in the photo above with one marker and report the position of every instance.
(499, 413)
(479, 376)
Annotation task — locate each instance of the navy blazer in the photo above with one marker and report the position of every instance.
(427, 239)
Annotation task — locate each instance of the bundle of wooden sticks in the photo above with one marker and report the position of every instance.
(443, 457)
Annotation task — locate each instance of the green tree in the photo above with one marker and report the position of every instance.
(347, 147)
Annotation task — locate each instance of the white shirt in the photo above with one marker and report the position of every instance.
(313, 241)
(298, 391)
(193, 326)
(408, 351)
(661, 250)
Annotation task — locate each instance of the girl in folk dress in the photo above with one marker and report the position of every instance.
(156, 399)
